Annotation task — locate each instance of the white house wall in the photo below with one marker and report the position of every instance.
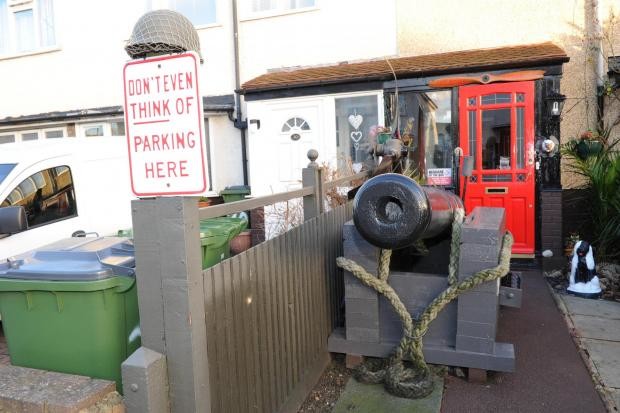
(334, 31)
(85, 70)
(226, 162)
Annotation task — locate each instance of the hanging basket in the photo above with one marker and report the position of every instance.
(587, 148)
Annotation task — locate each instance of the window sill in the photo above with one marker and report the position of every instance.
(276, 13)
(208, 26)
(30, 53)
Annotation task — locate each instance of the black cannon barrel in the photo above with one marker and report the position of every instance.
(392, 211)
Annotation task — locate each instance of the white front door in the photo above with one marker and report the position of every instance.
(279, 148)
(296, 136)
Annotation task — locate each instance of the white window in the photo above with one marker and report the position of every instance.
(117, 128)
(54, 133)
(7, 139)
(93, 129)
(261, 6)
(104, 128)
(199, 12)
(26, 26)
(29, 136)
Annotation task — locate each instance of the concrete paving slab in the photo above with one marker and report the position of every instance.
(373, 398)
(596, 327)
(585, 306)
(606, 357)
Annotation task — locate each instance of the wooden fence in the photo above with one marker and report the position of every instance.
(269, 312)
(249, 334)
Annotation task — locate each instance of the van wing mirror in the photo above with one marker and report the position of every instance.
(12, 220)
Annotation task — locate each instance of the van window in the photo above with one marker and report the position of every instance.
(5, 170)
(47, 196)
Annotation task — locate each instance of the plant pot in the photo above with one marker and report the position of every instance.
(568, 251)
(203, 204)
(241, 243)
(587, 148)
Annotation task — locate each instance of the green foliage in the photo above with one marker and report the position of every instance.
(601, 169)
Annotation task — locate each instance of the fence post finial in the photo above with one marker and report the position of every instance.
(313, 154)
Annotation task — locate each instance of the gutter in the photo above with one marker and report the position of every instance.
(599, 61)
(237, 122)
(211, 104)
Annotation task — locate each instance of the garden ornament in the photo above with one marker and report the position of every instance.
(583, 279)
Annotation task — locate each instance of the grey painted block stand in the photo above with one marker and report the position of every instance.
(464, 332)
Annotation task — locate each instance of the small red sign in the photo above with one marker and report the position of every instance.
(439, 176)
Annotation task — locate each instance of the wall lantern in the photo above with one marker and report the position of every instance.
(555, 103)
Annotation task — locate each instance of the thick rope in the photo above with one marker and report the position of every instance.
(415, 382)
(455, 246)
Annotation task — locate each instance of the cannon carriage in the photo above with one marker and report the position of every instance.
(391, 211)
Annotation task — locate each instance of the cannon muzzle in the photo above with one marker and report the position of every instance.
(392, 211)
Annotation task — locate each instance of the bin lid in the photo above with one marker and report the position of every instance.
(236, 189)
(228, 227)
(74, 259)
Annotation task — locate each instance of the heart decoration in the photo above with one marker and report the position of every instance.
(356, 136)
(356, 121)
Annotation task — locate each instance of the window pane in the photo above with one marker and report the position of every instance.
(263, 5)
(497, 178)
(94, 130)
(5, 169)
(52, 134)
(496, 139)
(437, 119)
(46, 23)
(4, 27)
(199, 12)
(7, 139)
(496, 98)
(24, 30)
(356, 122)
(520, 138)
(471, 117)
(297, 4)
(44, 202)
(31, 136)
(118, 128)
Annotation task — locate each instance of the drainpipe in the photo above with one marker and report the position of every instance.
(599, 62)
(238, 122)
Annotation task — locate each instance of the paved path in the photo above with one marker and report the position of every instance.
(373, 398)
(550, 376)
(596, 326)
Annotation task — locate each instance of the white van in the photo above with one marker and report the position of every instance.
(59, 188)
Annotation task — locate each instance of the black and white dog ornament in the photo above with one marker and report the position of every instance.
(583, 279)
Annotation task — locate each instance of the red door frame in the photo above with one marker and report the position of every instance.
(517, 193)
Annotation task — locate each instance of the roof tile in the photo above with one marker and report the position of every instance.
(451, 62)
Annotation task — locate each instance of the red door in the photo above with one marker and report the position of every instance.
(497, 129)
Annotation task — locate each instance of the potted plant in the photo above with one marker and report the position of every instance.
(589, 144)
(203, 202)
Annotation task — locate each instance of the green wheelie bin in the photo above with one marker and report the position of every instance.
(72, 307)
(215, 237)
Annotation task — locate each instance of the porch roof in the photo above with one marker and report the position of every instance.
(415, 66)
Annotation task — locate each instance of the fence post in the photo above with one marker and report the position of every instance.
(171, 297)
(312, 176)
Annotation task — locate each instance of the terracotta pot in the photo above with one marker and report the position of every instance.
(203, 204)
(241, 243)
